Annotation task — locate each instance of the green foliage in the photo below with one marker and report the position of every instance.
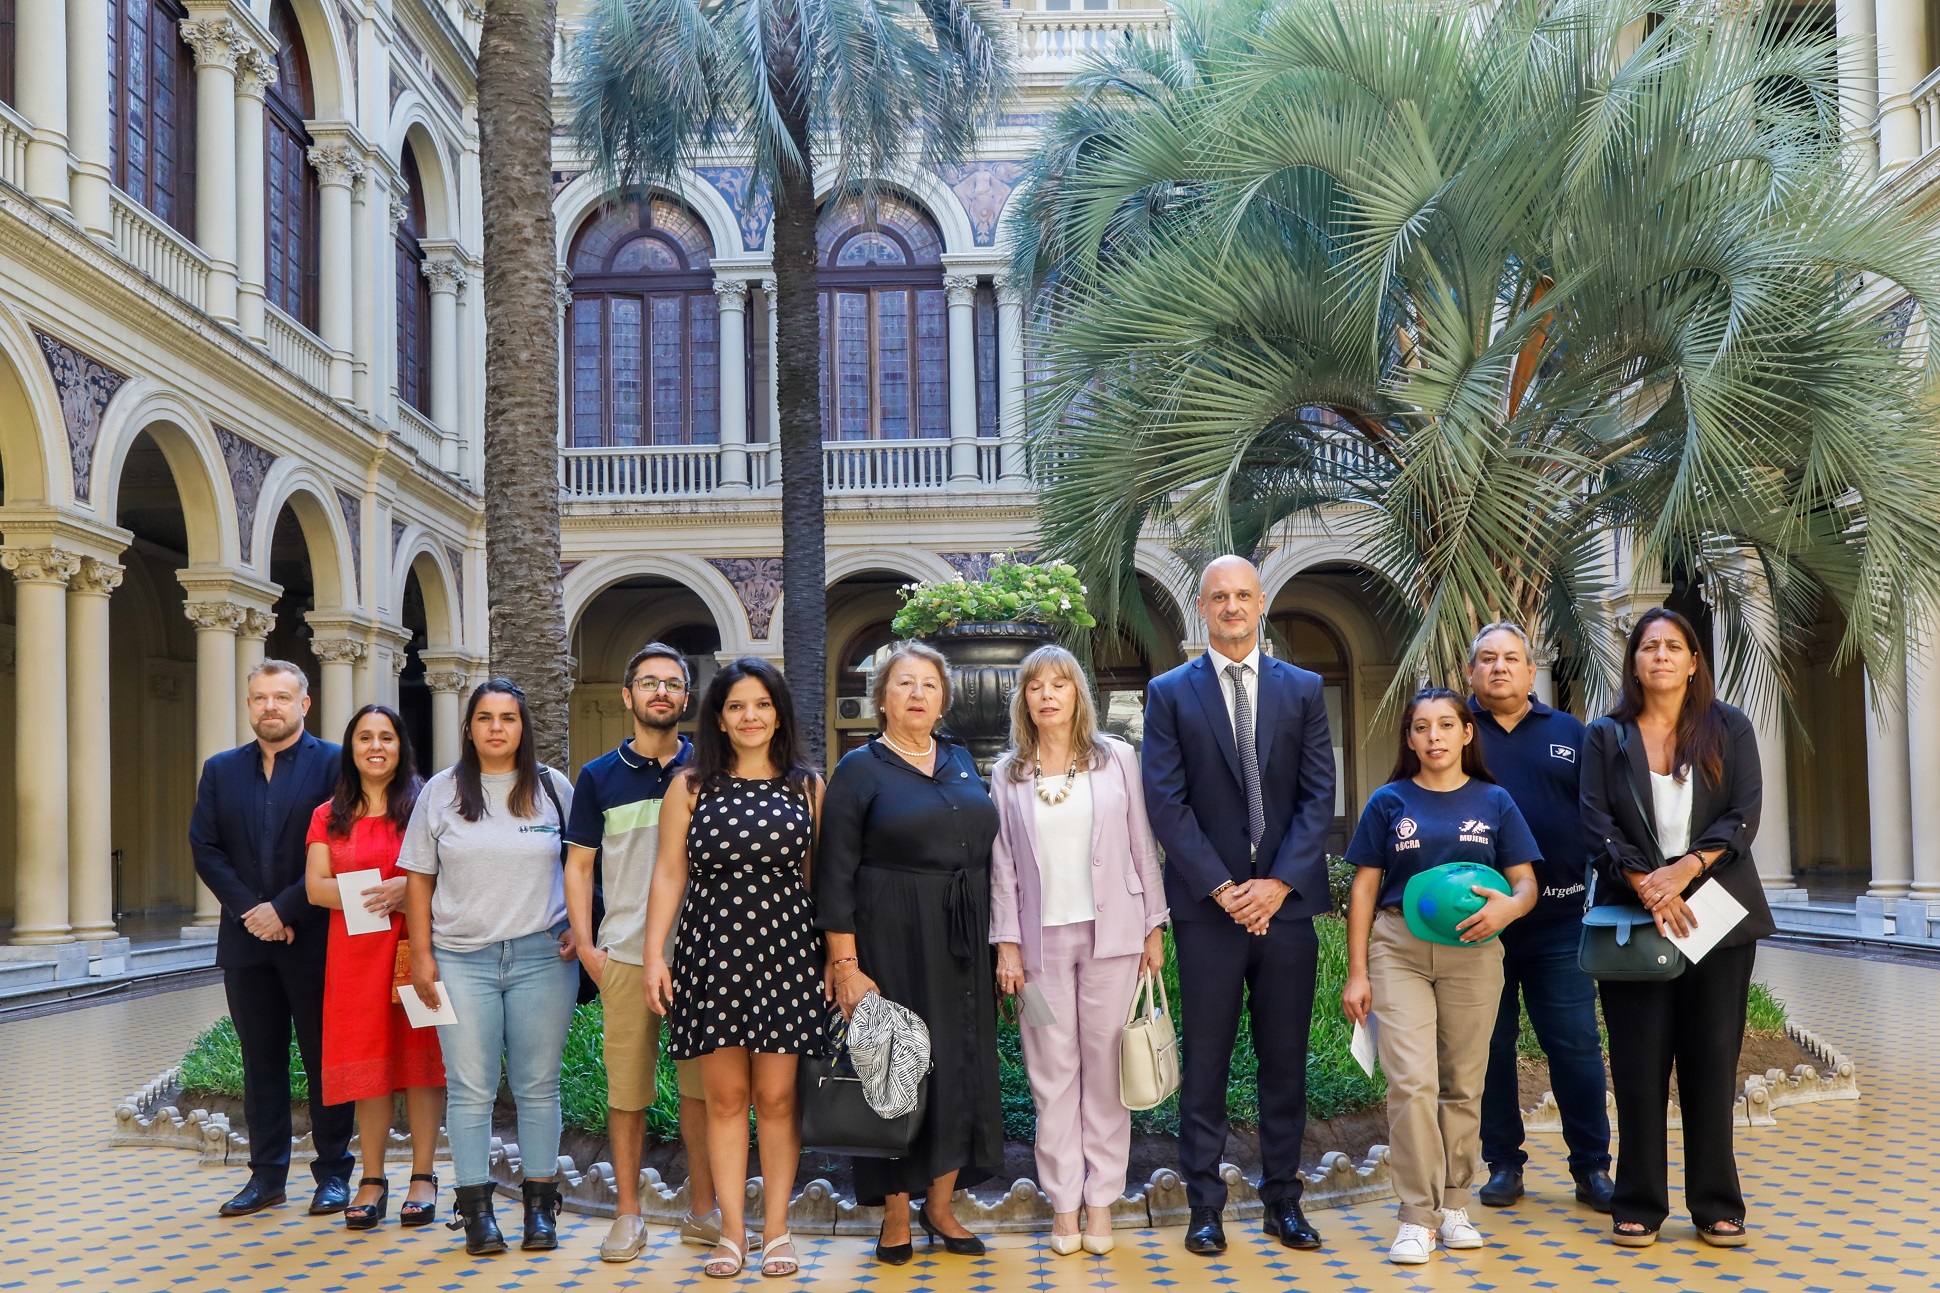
(214, 1064)
(1014, 591)
(1476, 294)
(1764, 1012)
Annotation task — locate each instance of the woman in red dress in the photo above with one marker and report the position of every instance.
(370, 1050)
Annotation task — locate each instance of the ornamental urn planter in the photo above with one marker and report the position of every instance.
(984, 660)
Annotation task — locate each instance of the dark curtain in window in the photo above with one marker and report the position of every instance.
(413, 295)
(291, 195)
(151, 109)
(6, 52)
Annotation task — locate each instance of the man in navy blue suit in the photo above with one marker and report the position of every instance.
(252, 811)
(1239, 786)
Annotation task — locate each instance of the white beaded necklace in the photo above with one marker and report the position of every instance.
(890, 741)
(1064, 791)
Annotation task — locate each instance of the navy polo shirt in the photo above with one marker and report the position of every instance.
(1407, 829)
(1540, 764)
(616, 809)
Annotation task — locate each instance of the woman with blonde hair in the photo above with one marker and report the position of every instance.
(1077, 908)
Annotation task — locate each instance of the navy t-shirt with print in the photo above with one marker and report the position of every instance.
(1406, 829)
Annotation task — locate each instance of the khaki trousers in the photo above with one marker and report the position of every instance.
(1435, 1010)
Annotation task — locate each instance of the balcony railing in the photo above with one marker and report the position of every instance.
(640, 471)
(694, 471)
(164, 255)
(13, 147)
(418, 431)
(1926, 102)
(296, 348)
(1060, 42)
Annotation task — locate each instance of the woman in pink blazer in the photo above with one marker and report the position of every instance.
(1077, 909)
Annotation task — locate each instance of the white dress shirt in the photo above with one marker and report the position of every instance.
(1250, 671)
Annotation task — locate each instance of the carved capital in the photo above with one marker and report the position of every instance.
(1009, 291)
(337, 650)
(731, 293)
(217, 42)
(255, 70)
(226, 616)
(40, 565)
(771, 289)
(337, 164)
(258, 624)
(961, 289)
(444, 273)
(96, 576)
(441, 680)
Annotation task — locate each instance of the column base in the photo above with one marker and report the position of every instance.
(1927, 890)
(1898, 889)
(1785, 893)
(95, 933)
(198, 933)
(44, 936)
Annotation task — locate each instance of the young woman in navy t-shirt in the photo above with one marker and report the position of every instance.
(1434, 1004)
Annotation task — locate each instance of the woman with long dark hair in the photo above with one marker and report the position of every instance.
(1433, 993)
(1672, 788)
(370, 1050)
(486, 906)
(743, 996)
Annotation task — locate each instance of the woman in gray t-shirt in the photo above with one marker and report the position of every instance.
(485, 912)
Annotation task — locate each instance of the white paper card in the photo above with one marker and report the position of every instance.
(1361, 1046)
(1033, 1010)
(423, 1016)
(1717, 913)
(357, 918)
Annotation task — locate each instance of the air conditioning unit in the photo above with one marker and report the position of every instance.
(855, 709)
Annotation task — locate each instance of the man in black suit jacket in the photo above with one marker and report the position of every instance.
(252, 811)
(1239, 786)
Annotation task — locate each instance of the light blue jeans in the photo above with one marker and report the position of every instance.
(514, 1001)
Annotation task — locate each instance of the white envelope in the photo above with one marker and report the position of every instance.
(350, 888)
(1717, 914)
(1033, 1011)
(423, 1016)
(1361, 1045)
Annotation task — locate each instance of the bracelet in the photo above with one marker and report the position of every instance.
(841, 960)
(1223, 886)
(845, 978)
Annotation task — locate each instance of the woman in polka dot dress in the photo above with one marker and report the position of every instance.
(744, 995)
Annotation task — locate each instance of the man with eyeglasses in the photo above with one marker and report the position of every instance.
(615, 824)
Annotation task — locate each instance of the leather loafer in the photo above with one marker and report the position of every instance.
(1205, 1235)
(332, 1195)
(1596, 1189)
(254, 1197)
(1285, 1222)
(1504, 1187)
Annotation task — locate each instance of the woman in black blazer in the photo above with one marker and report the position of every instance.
(1671, 796)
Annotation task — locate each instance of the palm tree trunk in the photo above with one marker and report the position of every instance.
(520, 471)
(798, 340)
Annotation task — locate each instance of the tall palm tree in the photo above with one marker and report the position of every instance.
(859, 88)
(1515, 295)
(521, 470)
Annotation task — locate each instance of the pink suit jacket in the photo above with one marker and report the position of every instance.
(1127, 889)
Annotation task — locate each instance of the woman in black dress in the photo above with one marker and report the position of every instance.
(742, 997)
(902, 893)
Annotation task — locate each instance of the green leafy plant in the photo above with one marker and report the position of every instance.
(214, 1064)
(1048, 593)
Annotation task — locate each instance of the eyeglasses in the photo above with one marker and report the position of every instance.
(672, 686)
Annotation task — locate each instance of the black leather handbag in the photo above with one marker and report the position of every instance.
(836, 1117)
(1620, 941)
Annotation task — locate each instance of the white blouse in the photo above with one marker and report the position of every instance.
(1671, 800)
(1064, 852)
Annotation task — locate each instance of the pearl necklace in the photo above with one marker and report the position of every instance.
(910, 754)
(1064, 791)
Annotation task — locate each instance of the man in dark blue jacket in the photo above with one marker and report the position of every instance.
(252, 811)
(1239, 786)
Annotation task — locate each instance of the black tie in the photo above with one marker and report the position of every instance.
(1249, 756)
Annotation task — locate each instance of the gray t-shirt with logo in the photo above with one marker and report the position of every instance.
(499, 878)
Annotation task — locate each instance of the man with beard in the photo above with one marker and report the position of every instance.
(252, 811)
(611, 838)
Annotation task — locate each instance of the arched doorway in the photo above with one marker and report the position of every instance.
(1305, 639)
(621, 619)
(290, 639)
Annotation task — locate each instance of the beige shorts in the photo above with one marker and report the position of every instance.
(632, 1042)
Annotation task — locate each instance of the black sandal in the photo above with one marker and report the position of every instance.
(1718, 1237)
(420, 1214)
(1641, 1237)
(365, 1216)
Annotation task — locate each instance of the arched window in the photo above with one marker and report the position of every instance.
(290, 224)
(645, 329)
(151, 109)
(885, 324)
(413, 295)
(6, 51)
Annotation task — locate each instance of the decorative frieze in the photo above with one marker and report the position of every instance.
(746, 192)
(248, 465)
(40, 565)
(85, 386)
(983, 188)
(757, 582)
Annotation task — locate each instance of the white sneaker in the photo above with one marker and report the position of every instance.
(1458, 1231)
(1413, 1245)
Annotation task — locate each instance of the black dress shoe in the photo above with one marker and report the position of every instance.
(1284, 1221)
(332, 1195)
(1596, 1189)
(961, 1245)
(893, 1254)
(1205, 1235)
(254, 1197)
(1504, 1187)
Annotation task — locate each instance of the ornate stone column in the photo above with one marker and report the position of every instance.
(87, 115)
(771, 295)
(1923, 763)
(215, 623)
(1889, 797)
(731, 294)
(90, 728)
(339, 658)
(449, 681)
(1014, 470)
(251, 638)
(40, 741)
(1858, 78)
(961, 290)
(254, 71)
(40, 95)
(447, 278)
(390, 651)
(217, 42)
(338, 170)
(1903, 63)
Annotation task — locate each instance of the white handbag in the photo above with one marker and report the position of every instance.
(1148, 1049)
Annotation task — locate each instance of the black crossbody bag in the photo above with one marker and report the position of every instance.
(1620, 941)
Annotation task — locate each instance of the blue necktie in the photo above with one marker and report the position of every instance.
(1249, 756)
